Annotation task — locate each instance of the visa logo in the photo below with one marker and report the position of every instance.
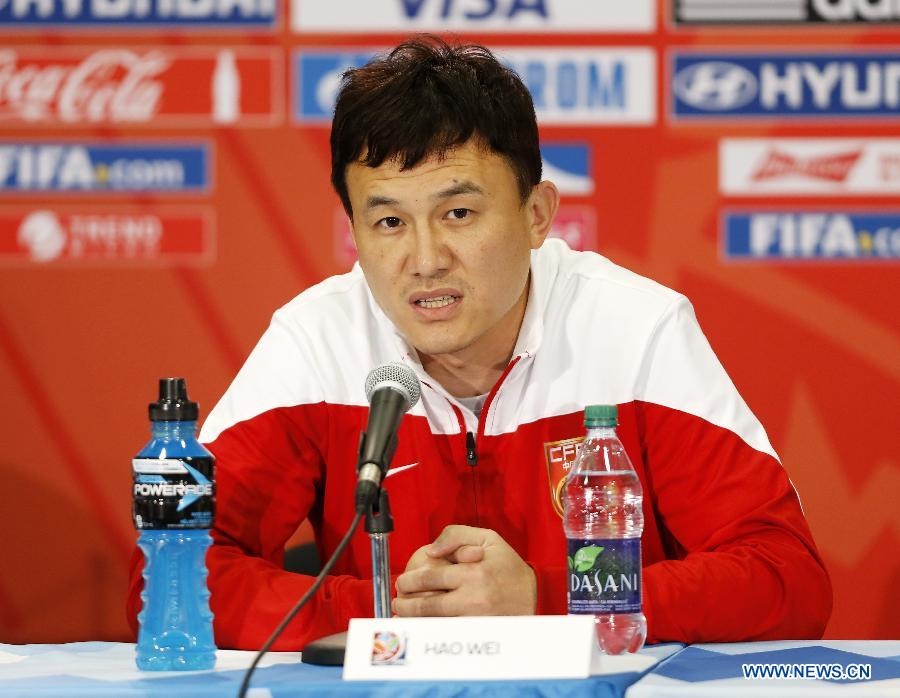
(82, 168)
(568, 166)
(812, 235)
(474, 9)
(568, 85)
(786, 85)
(75, 14)
(367, 17)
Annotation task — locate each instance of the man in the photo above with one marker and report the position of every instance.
(435, 158)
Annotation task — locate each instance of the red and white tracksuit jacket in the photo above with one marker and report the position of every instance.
(727, 553)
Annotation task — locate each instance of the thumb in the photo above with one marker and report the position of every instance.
(467, 553)
(454, 536)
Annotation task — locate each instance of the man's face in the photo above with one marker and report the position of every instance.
(445, 246)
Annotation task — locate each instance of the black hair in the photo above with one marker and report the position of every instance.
(427, 97)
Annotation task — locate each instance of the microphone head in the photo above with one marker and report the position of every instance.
(396, 376)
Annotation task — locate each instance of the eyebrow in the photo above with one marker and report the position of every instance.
(464, 187)
(376, 201)
(457, 189)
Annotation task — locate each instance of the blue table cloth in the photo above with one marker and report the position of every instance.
(793, 669)
(107, 669)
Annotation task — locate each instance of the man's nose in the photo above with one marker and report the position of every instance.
(430, 255)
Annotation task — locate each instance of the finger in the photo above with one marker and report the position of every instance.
(466, 553)
(454, 536)
(418, 558)
(428, 562)
(443, 578)
(450, 603)
(420, 594)
(443, 604)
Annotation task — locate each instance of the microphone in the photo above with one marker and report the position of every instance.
(391, 389)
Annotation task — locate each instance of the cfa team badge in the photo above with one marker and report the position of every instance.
(388, 648)
(560, 457)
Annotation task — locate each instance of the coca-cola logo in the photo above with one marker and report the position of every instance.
(154, 86)
(107, 85)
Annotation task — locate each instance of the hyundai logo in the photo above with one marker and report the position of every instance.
(715, 86)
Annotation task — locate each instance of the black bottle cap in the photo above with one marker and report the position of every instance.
(173, 404)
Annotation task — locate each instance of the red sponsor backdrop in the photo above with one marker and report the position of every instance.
(813, 347)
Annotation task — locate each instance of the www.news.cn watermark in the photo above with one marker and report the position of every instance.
(819, 672)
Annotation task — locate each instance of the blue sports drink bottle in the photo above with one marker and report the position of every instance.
(174, 501)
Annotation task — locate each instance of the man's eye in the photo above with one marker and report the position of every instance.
(389, 222)
(458, 214)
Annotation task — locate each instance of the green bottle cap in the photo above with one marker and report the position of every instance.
(601, 416)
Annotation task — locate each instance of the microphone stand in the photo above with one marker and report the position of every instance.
(329, 650)
(379, 524)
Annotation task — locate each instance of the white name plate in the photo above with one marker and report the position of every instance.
(474, 648)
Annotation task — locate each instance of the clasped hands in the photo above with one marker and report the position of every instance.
(466, 571)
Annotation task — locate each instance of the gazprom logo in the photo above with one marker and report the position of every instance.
(568, 85)
(812, 235)
(317, 79)
(797, 85)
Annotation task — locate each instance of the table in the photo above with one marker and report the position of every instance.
(716, 670)
(107, 669)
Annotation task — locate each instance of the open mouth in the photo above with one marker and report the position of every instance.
(438, 302)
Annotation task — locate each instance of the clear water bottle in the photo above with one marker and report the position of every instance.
(603, 522)
(173, 508)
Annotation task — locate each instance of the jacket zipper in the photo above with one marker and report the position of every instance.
(471, 451)
(471, 454)
(471, 439)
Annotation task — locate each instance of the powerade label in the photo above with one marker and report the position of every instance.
(170, 493)
(604, 575)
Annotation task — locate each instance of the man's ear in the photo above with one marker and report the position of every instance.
(542, 205)
(352, 232)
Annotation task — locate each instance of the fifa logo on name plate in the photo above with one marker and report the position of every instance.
(388, 648)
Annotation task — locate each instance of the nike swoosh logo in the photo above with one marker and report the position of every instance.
(394, 471)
